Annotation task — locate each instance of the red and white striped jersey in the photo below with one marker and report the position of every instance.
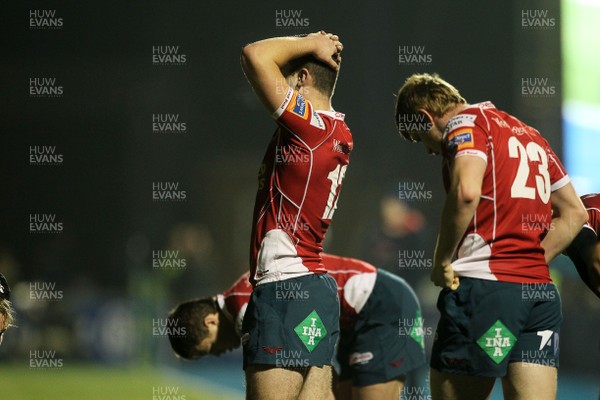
(592, 205)
(298, 186)
(234, 301)
(503, 239)
(355, 280)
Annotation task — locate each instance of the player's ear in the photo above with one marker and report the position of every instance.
(211, 319)
(303, 78)
(427, 115)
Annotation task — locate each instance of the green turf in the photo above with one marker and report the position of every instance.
(95, 383)
(581, 40)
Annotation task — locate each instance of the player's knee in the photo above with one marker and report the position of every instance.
(317, 383)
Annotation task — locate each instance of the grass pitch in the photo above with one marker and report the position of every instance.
(83, 382)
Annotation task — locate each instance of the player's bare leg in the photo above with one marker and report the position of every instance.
(317, 383)
(266, 382)
(380, 391)
(529, 381)
(445, 386)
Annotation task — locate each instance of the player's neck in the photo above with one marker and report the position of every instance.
(318, 100)
(452, 113)
(458, 108)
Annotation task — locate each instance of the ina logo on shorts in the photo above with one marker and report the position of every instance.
(497, 342)
(311, 331)
(417, 330)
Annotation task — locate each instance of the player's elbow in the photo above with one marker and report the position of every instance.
(244, 59)
(468, 193)
(576, 216)
(250, 55)
(580, 217)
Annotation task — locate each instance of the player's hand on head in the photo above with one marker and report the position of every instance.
(328, 48)
(444, 277)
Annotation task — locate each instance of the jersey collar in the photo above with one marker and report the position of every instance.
(333, 114)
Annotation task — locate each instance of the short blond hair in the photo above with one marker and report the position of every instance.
(7, 312)
(428, 92)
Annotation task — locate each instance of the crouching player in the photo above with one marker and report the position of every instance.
(584, 251)
(381, 329)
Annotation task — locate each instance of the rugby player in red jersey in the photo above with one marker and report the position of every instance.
(584, 251)
(510, 207)
(381, 328)
(298, 186)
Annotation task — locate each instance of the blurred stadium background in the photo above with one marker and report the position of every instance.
(92, 288)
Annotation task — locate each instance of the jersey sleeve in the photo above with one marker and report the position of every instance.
(235, 300)
(592, 205)
(298, 116)
(464, 138)
(558, 174)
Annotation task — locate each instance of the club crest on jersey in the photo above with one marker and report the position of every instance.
(344, 148)
(500, 122)
(298, 106)
(461, 139)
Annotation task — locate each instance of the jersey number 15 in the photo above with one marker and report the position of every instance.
(336, 176)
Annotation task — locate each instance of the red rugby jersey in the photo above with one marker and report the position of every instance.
(355, 280)
(502, 242)
(592, 205)
(234, 301)
(298, 186)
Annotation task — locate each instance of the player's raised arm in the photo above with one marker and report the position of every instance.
(568, 216)
(263, 62)
(461, 202)
(584, 251)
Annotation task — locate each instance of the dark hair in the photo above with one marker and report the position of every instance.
(190, 315)
(324, 77)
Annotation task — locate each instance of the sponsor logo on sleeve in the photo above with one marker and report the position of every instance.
(461, 139)
(298, 106)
